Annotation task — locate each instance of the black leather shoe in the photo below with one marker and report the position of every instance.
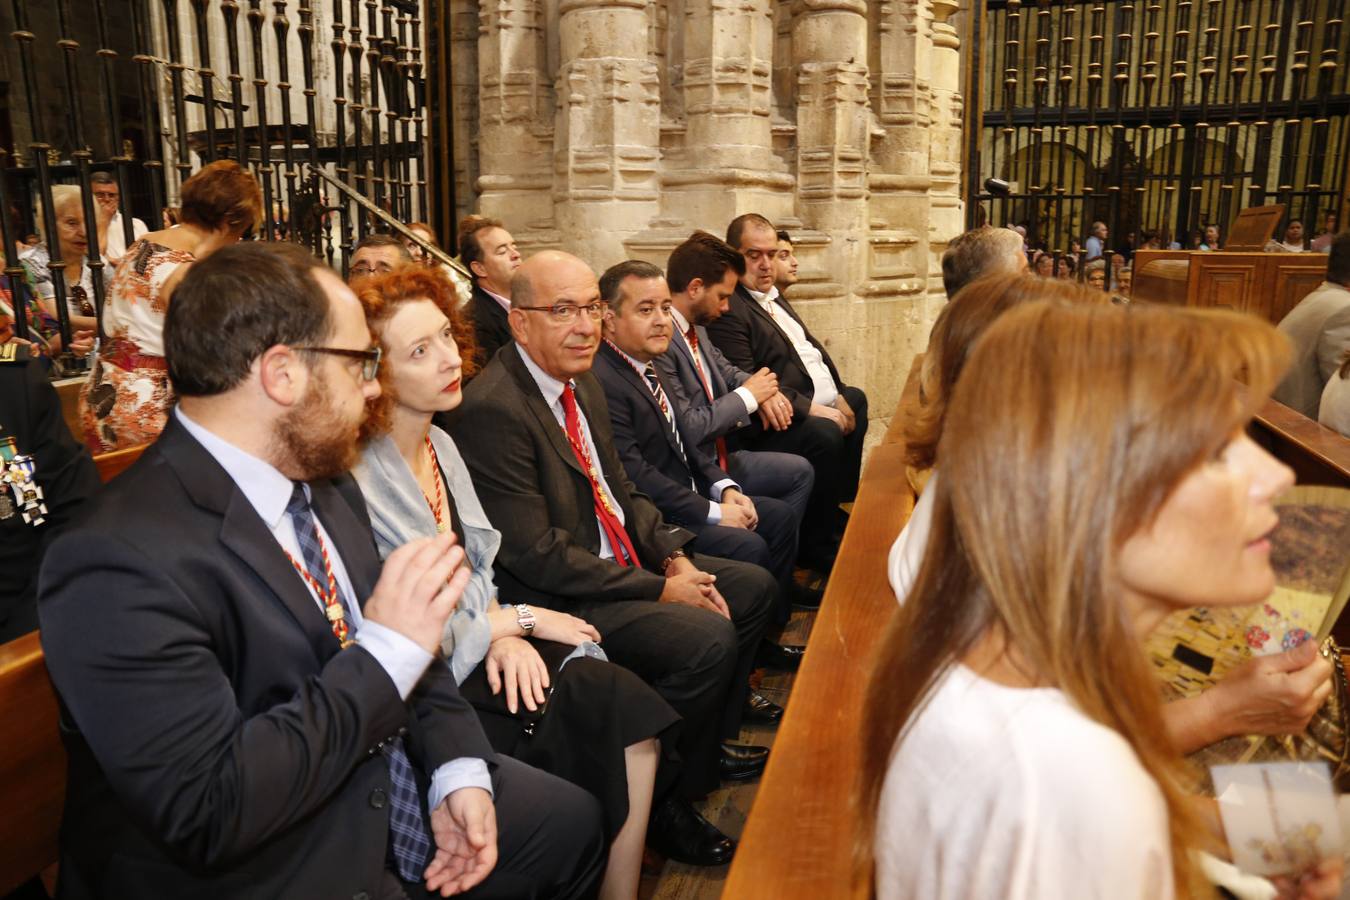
(804, 597)
(678, 832)
(740, 761)
(762, 710)
(777, 656)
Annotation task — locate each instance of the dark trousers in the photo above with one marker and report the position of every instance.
(837, 461)
(783, 476)
(697, 660)
(549, 840)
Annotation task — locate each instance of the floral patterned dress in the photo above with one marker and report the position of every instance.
(127, 397)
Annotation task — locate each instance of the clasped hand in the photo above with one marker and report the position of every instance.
(687, 584)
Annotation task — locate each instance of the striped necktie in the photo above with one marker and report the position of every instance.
(409, 841)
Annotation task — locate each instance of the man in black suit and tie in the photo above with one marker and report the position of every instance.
(714, 400)
(253, 706)
(686, 485)
(578, 537)
(487, 250)
(829, 419)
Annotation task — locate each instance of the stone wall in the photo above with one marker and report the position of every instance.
(613, 128)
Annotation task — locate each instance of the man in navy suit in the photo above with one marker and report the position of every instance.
(760, 329)
(252, 705)
(685, 483)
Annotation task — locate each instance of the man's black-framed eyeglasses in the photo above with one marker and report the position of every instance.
(567, 312)
(370, 359)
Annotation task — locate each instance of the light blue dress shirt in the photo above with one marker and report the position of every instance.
(402, 659)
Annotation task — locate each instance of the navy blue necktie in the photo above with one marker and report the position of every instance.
(409, 842)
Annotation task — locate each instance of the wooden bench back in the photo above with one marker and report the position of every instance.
(32, 764)
(798, 839)
(110, 465)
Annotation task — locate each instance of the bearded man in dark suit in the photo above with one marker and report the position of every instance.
(760, 329)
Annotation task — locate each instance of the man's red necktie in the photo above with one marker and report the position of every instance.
(692, 337)
(624, 554)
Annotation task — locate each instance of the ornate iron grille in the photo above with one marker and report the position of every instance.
(181, 83)
(1159, 115)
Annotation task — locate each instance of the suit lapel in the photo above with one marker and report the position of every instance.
(243, 532)
(715, 380)
(637, 383)
(534, 401)
(248, 538)
(684, 350)
(353, 539)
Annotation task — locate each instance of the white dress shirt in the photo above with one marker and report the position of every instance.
(826, 391)
(552, 389)
(117, 241)
(269, 491)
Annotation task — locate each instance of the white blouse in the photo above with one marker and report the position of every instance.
(1000, 792)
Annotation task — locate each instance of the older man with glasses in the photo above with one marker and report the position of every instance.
(578, 537)
(377, 254)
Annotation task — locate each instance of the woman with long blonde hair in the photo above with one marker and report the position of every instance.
(1095, 476)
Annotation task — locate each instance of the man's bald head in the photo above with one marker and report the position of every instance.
(555, 312)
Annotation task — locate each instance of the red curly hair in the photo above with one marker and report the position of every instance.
(381, 296)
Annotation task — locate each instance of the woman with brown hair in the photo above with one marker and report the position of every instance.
(1095, 477)
(537, 677)
(1270, 695)
(127, 396)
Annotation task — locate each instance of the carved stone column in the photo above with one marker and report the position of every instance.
(728, 165)
(515, 117)
(608, 136)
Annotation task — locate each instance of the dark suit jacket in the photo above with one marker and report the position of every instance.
(748, 337)
(30, 413)
(220, 745)
(491, 330)
(647, 446)
(704, 418)
(534, 490)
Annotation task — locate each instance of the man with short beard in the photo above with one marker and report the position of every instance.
(253, 705)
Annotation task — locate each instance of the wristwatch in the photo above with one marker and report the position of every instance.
(675, 554)
(525, 619)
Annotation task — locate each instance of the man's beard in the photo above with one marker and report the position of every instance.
(309, 446)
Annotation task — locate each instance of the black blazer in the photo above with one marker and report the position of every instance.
(491, 330)
(647, 446)
(30, 413)
(534, 490)
(220, 745)
(748, 337)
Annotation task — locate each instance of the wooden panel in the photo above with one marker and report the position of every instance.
(32, 764)
(798, 839)
(1290, 283)
(1222, 283)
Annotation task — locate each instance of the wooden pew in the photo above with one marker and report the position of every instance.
(32, 760)
(32, 764)
(1317, 454)
(798, 839)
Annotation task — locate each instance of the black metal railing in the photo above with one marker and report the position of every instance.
(366, 82)
(1157, 115)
